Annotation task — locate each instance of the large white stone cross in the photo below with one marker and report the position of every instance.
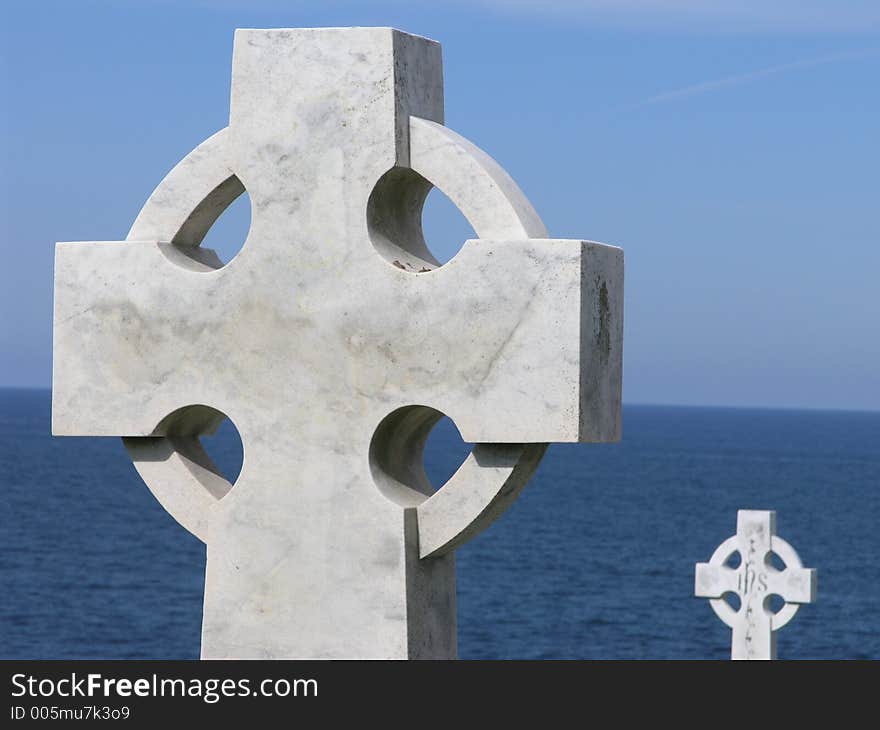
(755, 580)
(334, 341)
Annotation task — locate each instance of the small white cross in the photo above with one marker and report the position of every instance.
(755, 580)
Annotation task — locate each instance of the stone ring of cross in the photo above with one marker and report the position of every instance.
(334, 341)
(199, 189)
(748, 581)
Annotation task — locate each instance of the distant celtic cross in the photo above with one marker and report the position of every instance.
(755, 580)
(335, 341)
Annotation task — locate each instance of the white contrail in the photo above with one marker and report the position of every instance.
(736, 80)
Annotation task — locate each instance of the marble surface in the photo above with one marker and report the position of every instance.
(754, 579)
(334, 341)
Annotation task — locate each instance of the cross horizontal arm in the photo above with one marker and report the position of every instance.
(129, 347)
(795, 585)
(713, 581)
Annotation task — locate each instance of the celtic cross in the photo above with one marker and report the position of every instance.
(334, 341)
(754, 580)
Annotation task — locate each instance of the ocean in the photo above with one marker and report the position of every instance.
(595, 560)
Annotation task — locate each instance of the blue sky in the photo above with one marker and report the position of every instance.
(731, 148)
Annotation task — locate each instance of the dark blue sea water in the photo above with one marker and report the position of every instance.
(595, 559)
